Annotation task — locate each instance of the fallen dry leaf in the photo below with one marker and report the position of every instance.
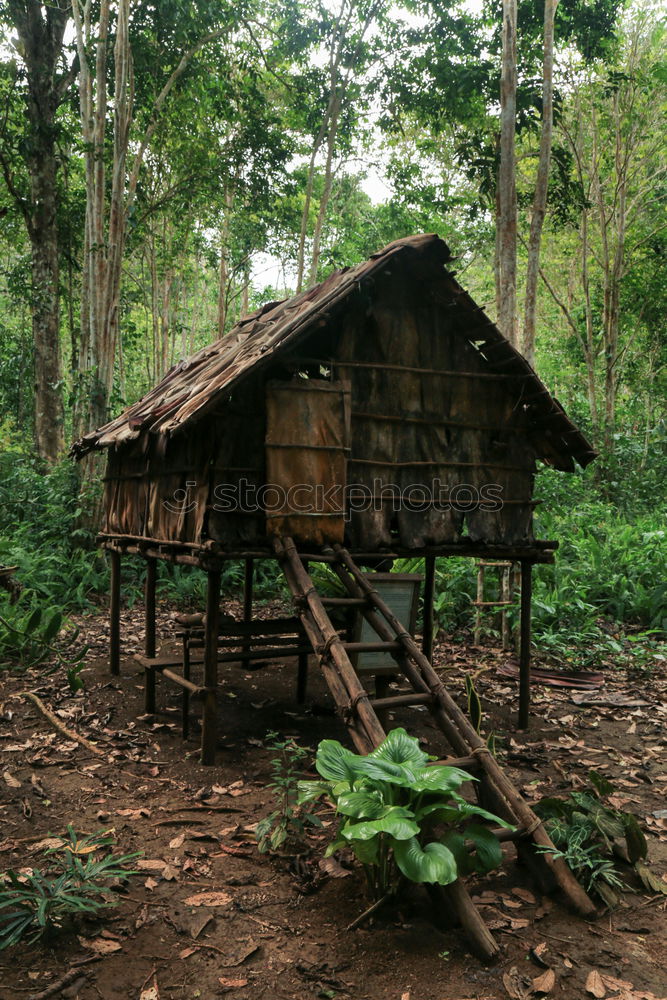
(333, 868)
(537, 954)
(11, 780)
(525, 895)
(208, 899)
(187, 952)
(150, 864)
(231, 984)
(516, 985)
(100, 945)
(150, 992)
(177, 841)
(245, 952)
(48, 843)
(545, 983)
(594, 984)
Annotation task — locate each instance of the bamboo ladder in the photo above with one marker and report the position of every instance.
(359, 711)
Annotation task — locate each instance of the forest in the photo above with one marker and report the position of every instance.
(166, 169)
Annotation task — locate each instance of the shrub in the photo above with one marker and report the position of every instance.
(401, 816)
(75, 883)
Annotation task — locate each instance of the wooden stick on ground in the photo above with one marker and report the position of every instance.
(57, 724)
(70, 976)
(370, 911)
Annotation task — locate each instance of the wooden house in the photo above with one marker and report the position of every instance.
(379, 414)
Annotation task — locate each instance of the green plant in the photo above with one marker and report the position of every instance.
(402, 816)
(74, 883)
(29, 635)
(590, 834)
(289, 821)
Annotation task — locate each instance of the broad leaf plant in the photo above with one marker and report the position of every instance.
(402, 816)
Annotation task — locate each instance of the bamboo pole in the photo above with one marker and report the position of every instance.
(248, 573)
(524, 647)
(149, 607)
(464, 740)
(429, 591)
(210, 714)
(149, 641)
(333, 645)
(114, 613)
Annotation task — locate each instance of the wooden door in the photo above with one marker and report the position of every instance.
(307, 446)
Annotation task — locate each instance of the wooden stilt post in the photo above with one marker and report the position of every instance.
(302, 668)
(477, 633)
(248, 573)
(149, 641)
(210, 714)
(506, 596)
(114, 613)
(429, 590)
(149, 607)
(185, 703)
(524, 650)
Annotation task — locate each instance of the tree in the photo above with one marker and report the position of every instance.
(541, 185)
(615, 130)
(506, 225)
(43, 80)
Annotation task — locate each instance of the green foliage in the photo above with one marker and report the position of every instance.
(75, 882)
(590, 834)
(289, 822)
(400, 816)
(27, 633)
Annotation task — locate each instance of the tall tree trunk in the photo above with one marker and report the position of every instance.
(49, 414)
(507, 221)
(41, 30)
(541, 185)
(223, 276)
(107, 214)
(326, 193)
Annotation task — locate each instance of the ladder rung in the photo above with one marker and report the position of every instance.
(494, 604)
(372, 647)
(183, 682)
(344, 602)
(465, 763)
(395, 701)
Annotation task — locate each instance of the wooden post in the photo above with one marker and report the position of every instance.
(210, 713)
(247, 603)
(149, 607)
(149, 641)
(114, 613)
(505, 595)
(185, 703)
(477, 633)
(429, 590)
(524, 649)
(302, 665)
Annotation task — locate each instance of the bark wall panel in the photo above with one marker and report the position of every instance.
(307, 446)
(125, 490)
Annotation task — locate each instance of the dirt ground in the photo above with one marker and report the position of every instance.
(278, 929)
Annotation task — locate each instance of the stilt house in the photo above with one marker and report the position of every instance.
(379, 414)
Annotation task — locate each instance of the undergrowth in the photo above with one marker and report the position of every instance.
(76, 880)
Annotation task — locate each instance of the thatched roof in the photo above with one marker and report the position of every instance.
(195, 385)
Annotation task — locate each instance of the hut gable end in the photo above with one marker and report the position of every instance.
(446, 417)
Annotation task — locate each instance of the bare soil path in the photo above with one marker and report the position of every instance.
(276, 927)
